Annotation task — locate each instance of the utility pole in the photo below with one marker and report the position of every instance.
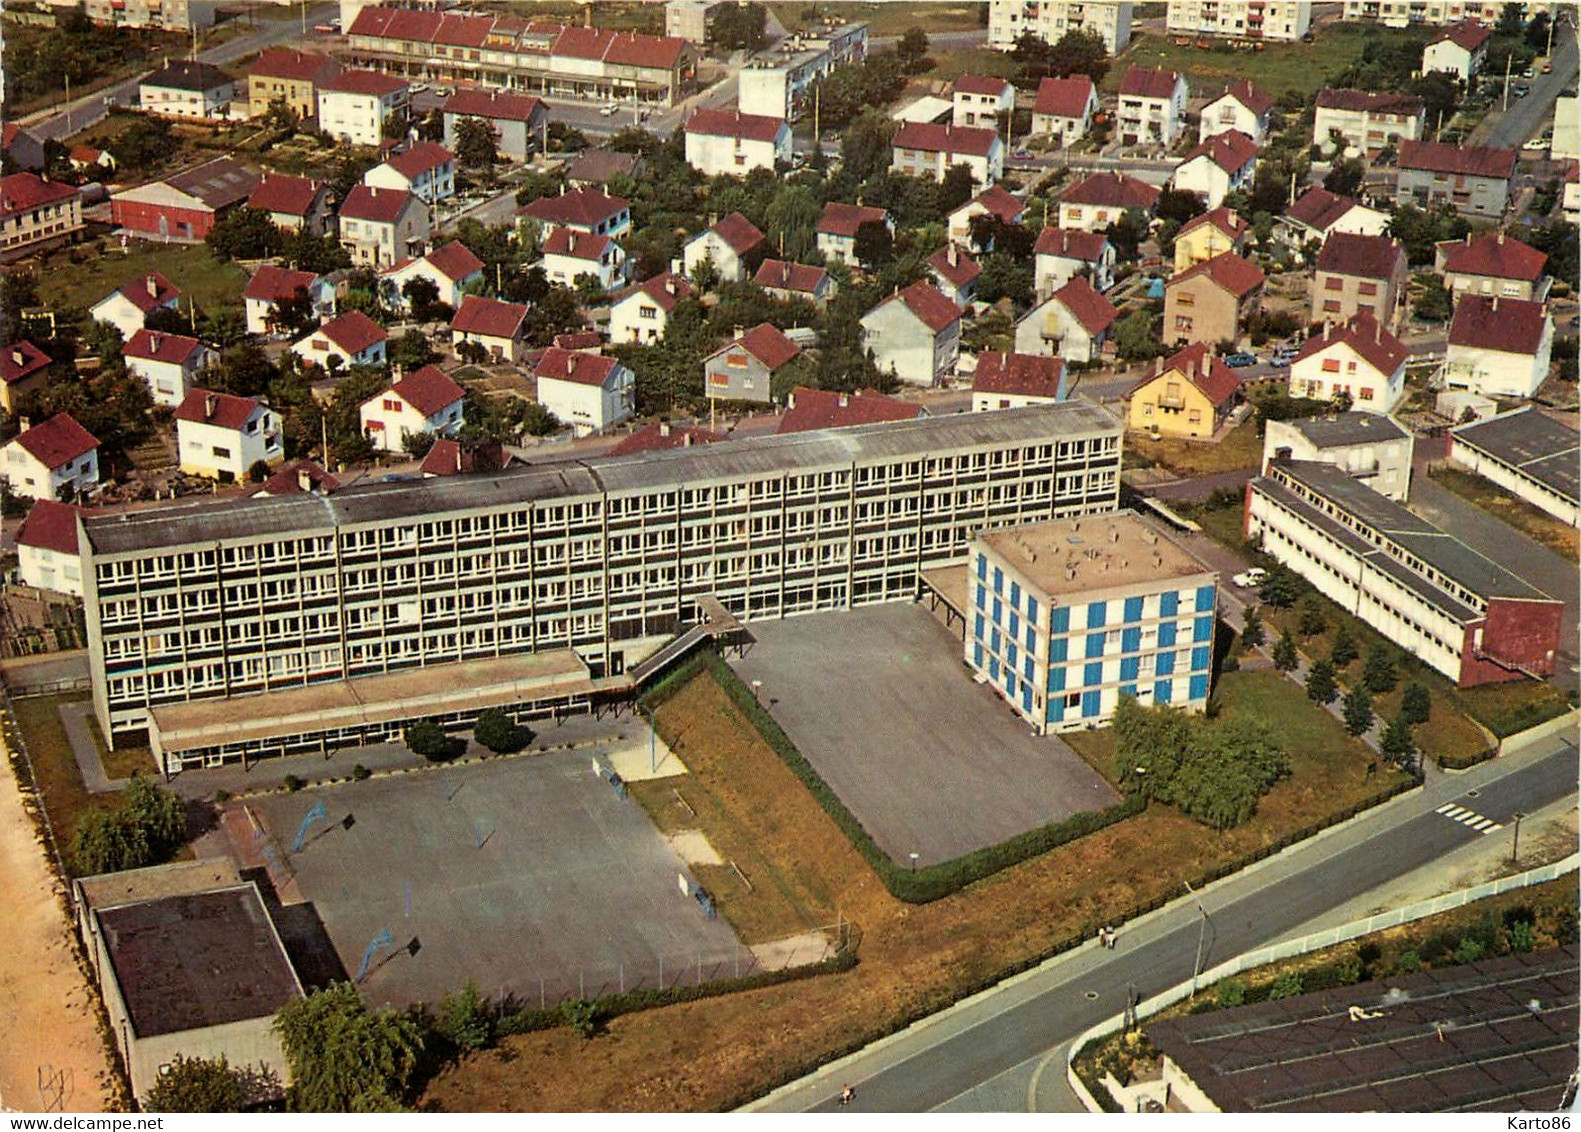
(1202, 936)
(1508, 62)
(1515, 849)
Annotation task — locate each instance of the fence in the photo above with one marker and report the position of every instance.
(1300, 946)
(1559, 725)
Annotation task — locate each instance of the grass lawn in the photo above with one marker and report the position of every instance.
(59, 782)
(952, 62)
(125, 762)
(1559, 537)
(201, 278)
(716, 1053)
(892, 17)
(1242, 448)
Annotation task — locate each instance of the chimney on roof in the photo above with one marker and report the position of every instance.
(1501, 237)
(1328, 325)
(954, 254)
(152, 284)
(736, 332)
(587, 15)
(669, 284)
(210, 403)
(664, 428)
(686, 440)
(570, 364)
(304, 479)
(18, 357)
(845, 400)
(1377, 332)
(24, 423)
(153, 342)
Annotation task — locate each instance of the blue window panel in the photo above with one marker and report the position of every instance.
(1204, 598)
(1166, 636)
(982, 598)
(1032, 609)
(1015, 595)
(977, 655)
(1161, 690)
(1128, 690)
(1094, 644)
(1011, 653)
(1059, 620)
(1056, 709)
(1091, 704)
(1026, 668)
(993, 668)
(1058, 647)
(982, 567)
(1133, 609)
(1056, 679)
(1166, 663)
(1201, 657)
(1093, 674)
(999, 580)
(1026, 698)
(1015, 624)
(1095, 614)
(1168, 604)
(1010, 680)
(1031, 639)
(1130, 640)
(1203, 629)
(993, 639)
(999, 611)
(1199, 687)
(977, 627)
(1129, 667)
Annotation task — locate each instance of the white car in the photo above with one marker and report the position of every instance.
(1251, 579)
(608, 109)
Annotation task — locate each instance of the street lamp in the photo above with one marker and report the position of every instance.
(1515, 848)
(653, 742)
(913, 862)
(1202, 936)
(757, 687)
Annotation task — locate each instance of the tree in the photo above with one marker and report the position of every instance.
(1358, 711)
(1345, 177)
(1150, 743)
(417, 444)
(1321, 688)
(343, 1056)
(1285, 658)
(1311, 621)
(144, 829)
(1179, 205)
(145, 143)
(1440, 93)
(739, 27)
(246, 233)
(258, 471)
(412, 350)
(1134, 337)
(244, 370)
(1076, 53)
(500, 733)
(912, 49)
(475, 147)
(1342, 649)
(1537, 32)
(1396, 743)
(1512, 19)
(1281, 588)
(1379, 674)
(956, 188)
(1252, 631)
(1127, 233)
(465, 1019)
(279, 115)
(874, 244)
(198, 1084)
(1416, 704)
(1434, 304)
(428, 739)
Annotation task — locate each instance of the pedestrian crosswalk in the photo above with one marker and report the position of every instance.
(1468, 818)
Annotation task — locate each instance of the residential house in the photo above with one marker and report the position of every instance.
(184, 16)
(381, 227)
(1211, 301)
(1014, 381)
(927, 149)
(1492, 263)
(169, 363)
(1074, 322)
(596, 168)
(1064, 109)
(1459, 51)
(1243, 106)
(465, 457)
(1498, 347)
(589, 392)
(1098, 201)
(294, 204)
(46, 548)
(744, 368)
(785, 280)
(995, 201)
(1371, 447)
(354, 105)
(350, 339)
(52, 460)
(89, 161)
(497, 326)
(1061, 254)
(1527, 453)
(726, 244)
(1366, 120)
(187, 205)
(270, 286)
(1211, 234)
(34, 211)
(282, 74)
(1189, 394)
(24, 369)
(641, 313)
(425, 400)
(807, 410)
(1358, 360)
(221, 436)
(298, 477)
(581, 210)
(424, 169)
(1152, 110)
(916, 332)
(978, 100)
(185, 89)
(1274, 20)
(1475, 179)
(569, 254)
(661, 436)
(128, 306)
(1051, 20)
(1570, 201)
(452, 268)
(837, 228)
(954, 271)
(730, 143)
(1360, 273)
(1318, 212)
(517, 120)
(23, 147)
(1224, 164)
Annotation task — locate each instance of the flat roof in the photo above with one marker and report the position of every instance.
(1096, 552)
(1532, 442)
(175, 879)
(1492, 1036)
(1340, 430)
(197, 960)
(304, 513)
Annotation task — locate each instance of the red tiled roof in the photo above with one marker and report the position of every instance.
(936, 138)
(573, 365)
(629, 49)
(428, 390)
(22, 192)
(353, 332)
(1148, 82)
(1064, 98)
(157, 346)
(961, 272)
(1225, 220)
(223, 410)
(579, 340)
(980, 84)
(288, 480)
(739, 233)
(1238, 276)
(1029, 375)
(293, 196)
(666, 289)
(1114, 190)
(928, 303)
(660, 436)
(457, 30)
(9, 133)
(1230, 150)
(454, 261)
(453, 458)
(1464, 161)
(146, 298)
(299, 66)
(1071, 243)
(1320, 209)
(1468, 34)
(841, 219)
(1254, 98)
(495, 105)
(1365, 335)
(375, 83)
(491, 318)
(1198, 366)
(1092, 310)
(734, 124)
(1000, 202)
(85, 155)
(1371, 101)
(766, 343)
(396, 23)
(50, 525)
(1510, 326)
(58, 440)
(580, 208)
(783, 276)
(1493, 254)
(273, 284)
(817, 408)
(421, 158)
(21, 359)
(1367, 257)
(576, 244)
(379, 206)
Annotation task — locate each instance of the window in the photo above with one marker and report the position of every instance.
(1367, 289)
(1330, 365)
(1330, 306)
(1333, 283)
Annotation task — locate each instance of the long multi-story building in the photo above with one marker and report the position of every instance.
(1406, 13)
(246, 600)
(1241, 19)
(1009, 20)
(779, 82)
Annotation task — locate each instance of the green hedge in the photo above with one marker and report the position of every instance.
(1461, 762)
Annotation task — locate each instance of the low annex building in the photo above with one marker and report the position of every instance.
(784, 280)
(1528, 454)
(1370, 447)
(1014, 381)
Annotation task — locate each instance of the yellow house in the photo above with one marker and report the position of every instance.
(1211, 234)
(1188, 395)
(292, 76)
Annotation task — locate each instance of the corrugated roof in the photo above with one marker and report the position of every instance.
(218, 184)
(1532, 442)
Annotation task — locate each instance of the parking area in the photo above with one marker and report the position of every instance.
(529, 875)
(928, 760)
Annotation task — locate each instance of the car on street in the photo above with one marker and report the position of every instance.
(608, 110)
(1237, 361)
(1251, 578)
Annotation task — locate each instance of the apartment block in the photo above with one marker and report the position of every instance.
(1241, 19)
(1008, 20)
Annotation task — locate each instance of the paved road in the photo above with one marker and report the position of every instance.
(1002, 1050)
(1526, 115)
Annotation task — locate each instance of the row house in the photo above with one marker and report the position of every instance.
(1360, 274)
(1357, 361)
(726, 244)
(1152, 107)
(927, 149)
(291, 77)
(730, 143)
(1475, 180)
(1366, 120)
(1064, 109)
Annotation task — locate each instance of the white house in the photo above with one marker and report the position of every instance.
(169, 363)
(293, 203)
(1360, 359)
(185, 89)
(915, 332)
(583, 210)
(1223, 164)
(730, 143)
(1061, 254)
(1064, 109)
(51, 459)
(221, 436)
(1014, 381)
(838, 225)
(381, 227)
(353, 105)
(1152, 109)
(1100, 200)
(1498, 347)
(724, 244)
(590, 392)
(977, 100)
(1374, 448)
(1243, 106)
(46, 548)
(1074, 323)
(128, 306)
(425, 169)
(1459, 51)
(569, 254)
(996, 201)
(1492, 263)
(1318, 213)
(641, 312)
(352, 337)
(425, 400)
(1365, 120)
(271, 285)
(499, 327)
(927, 149)
(452, 268)
(954, 271)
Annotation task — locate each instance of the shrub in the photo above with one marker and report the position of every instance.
(1408, 962)
(500, 733)
(1469, 951)
(360, 773)
(465, 1020)
(581, 1016)
(1287, 985)
(144, 829)
(1523, 937)
(293, 783)
(1230, 992)
(428, 739)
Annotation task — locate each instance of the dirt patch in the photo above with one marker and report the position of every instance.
(692, 846)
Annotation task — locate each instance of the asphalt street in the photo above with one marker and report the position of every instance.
(1526, 115)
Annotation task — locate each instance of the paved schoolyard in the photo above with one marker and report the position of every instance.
(571, 885)
(929, 761)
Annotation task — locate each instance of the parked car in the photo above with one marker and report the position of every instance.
(1251, 579)
(1236, 361)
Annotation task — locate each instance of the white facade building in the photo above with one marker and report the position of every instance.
(1050, 20)
(58, 457)
(1360, 360)
(46, 548)
(1528, 454)
(1279, 20)
(589, 392)
(426, 170)
(915, 332)
(425, 400)
(1371, 447)
(169, 363)
(642, 313)
(728, 143)
(221, 436)
(1498, 347)
(353, 106)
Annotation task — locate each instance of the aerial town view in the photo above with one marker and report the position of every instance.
(960, 556)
